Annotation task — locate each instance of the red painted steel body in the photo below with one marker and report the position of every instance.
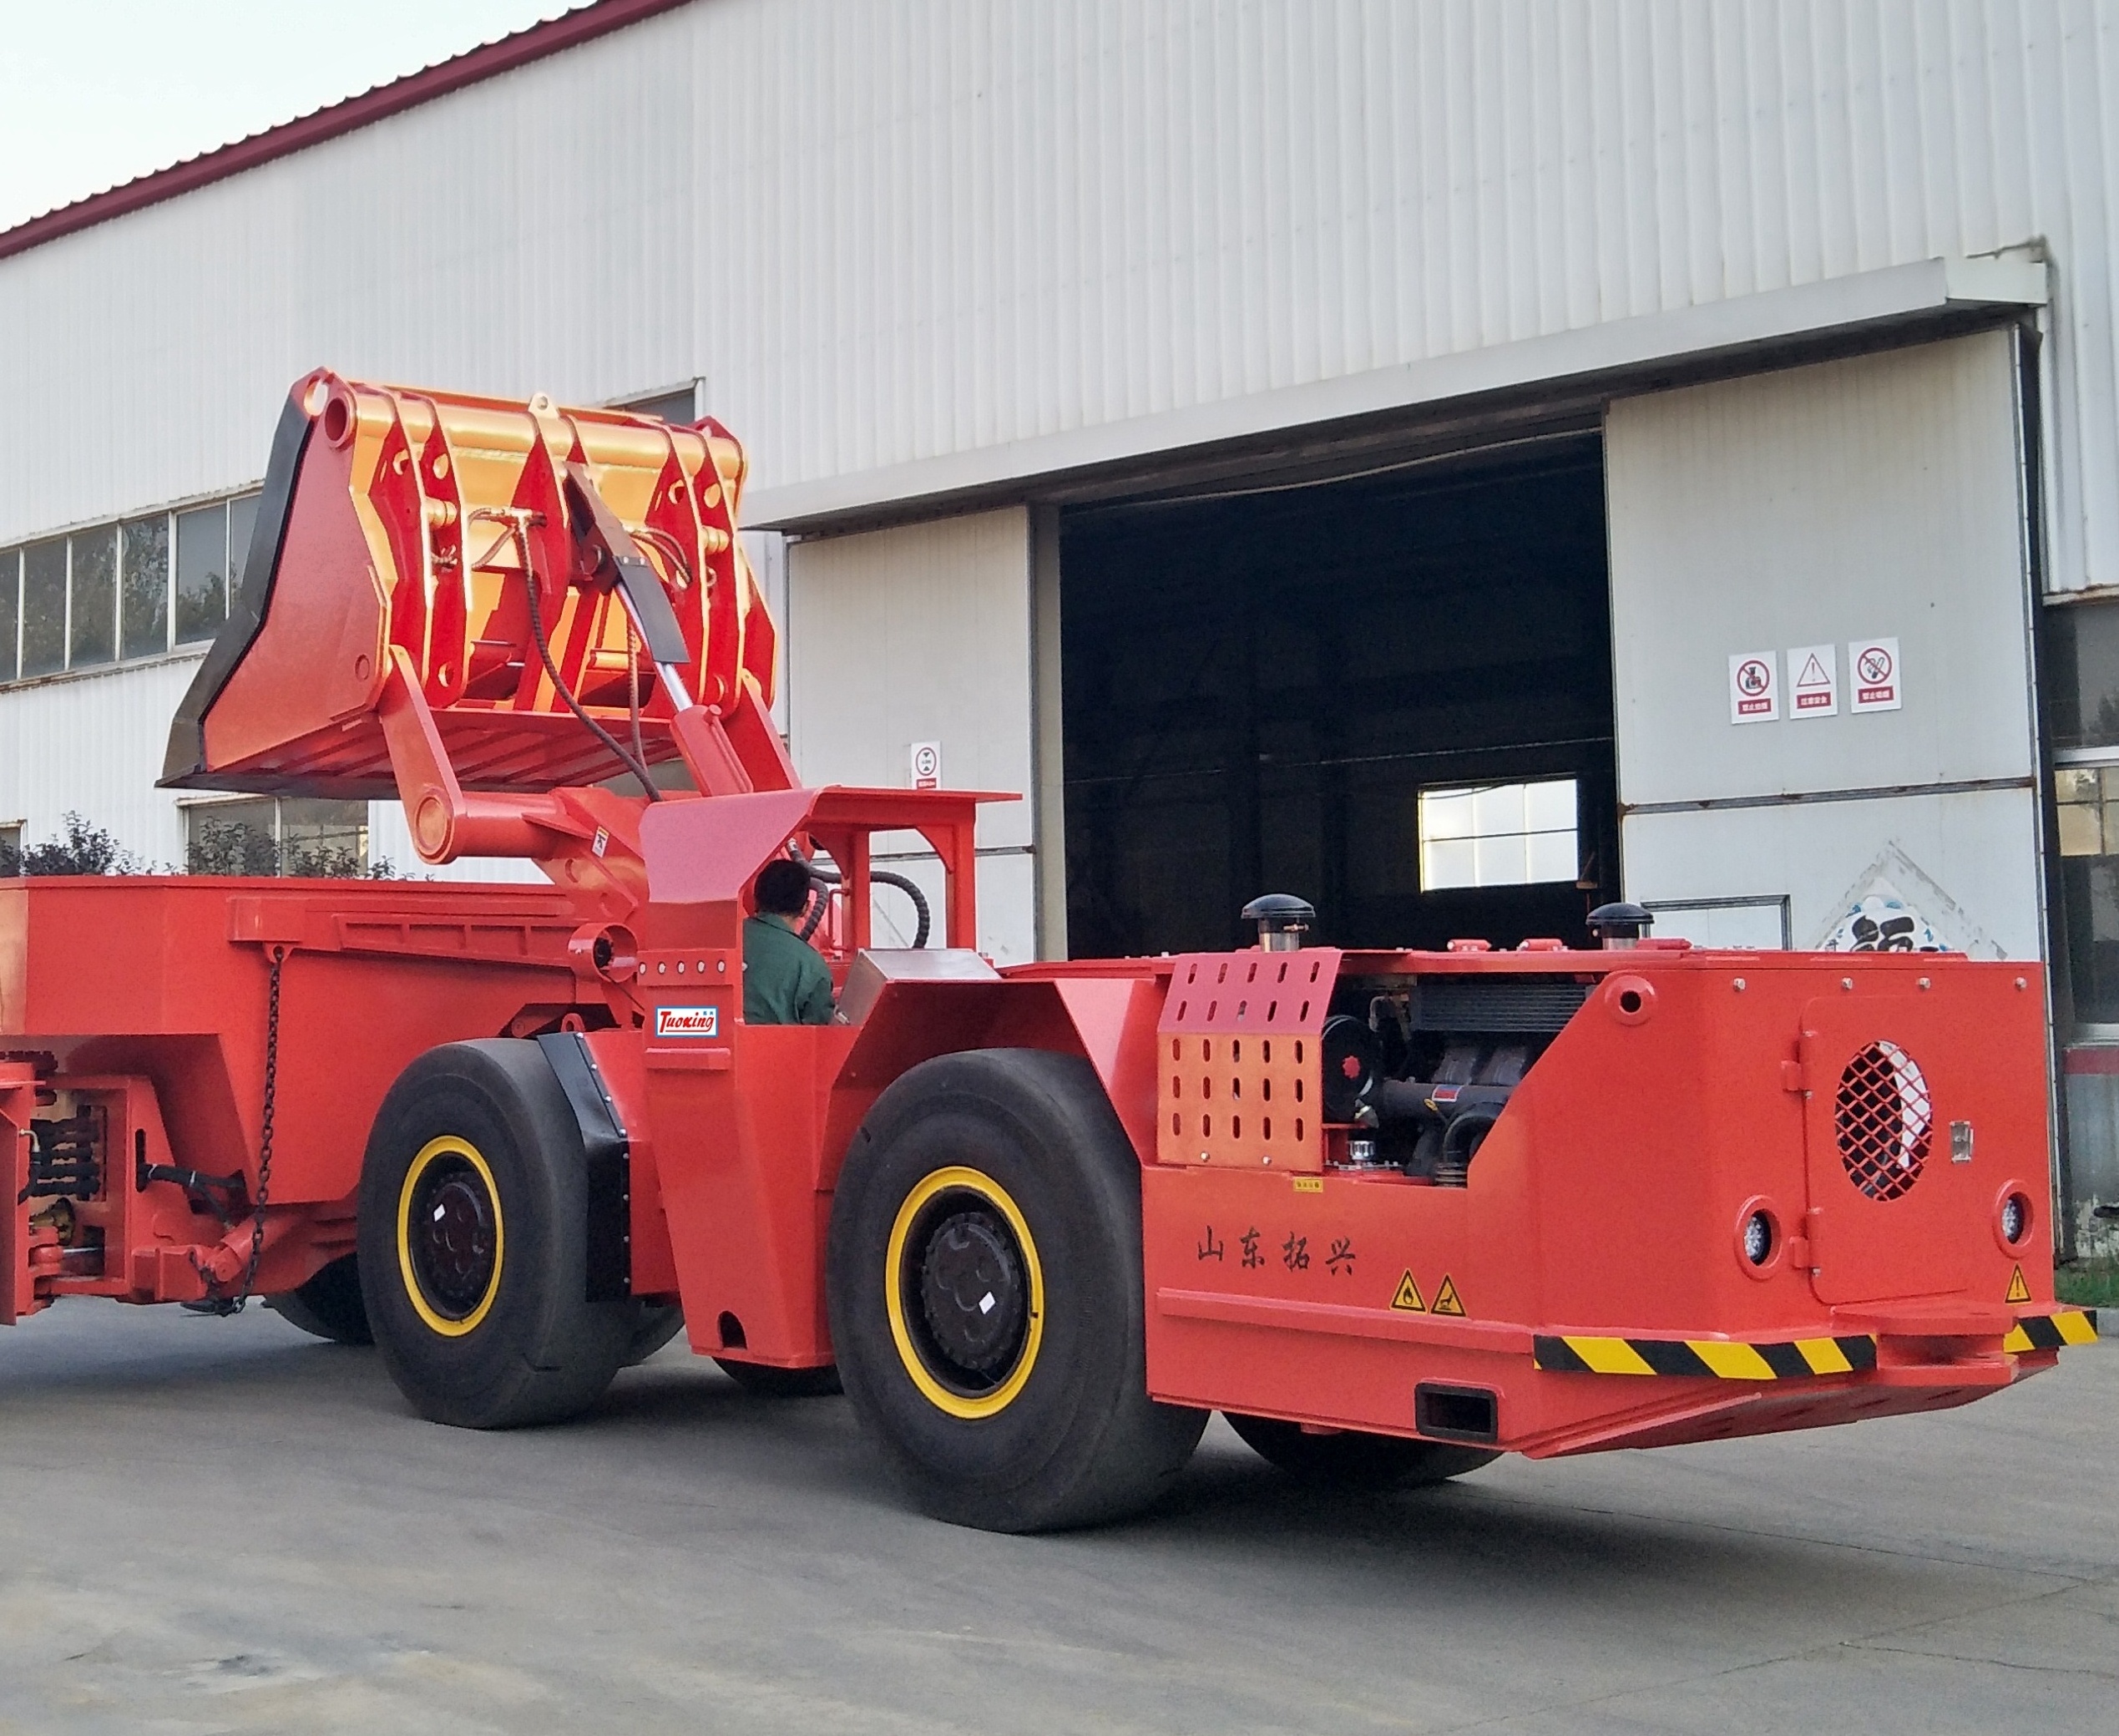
(391, 650)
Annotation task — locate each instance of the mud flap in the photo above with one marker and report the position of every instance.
(18, 1104)
(608, 1156)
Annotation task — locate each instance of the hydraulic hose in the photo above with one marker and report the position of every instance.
(883, 876)
(637, 766)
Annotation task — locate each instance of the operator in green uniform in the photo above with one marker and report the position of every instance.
(784, 980)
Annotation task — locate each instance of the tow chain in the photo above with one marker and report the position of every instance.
(234, 1305)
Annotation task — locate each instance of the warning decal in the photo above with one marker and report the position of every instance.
(1873, 677)
(1813, 691)
(1408, 1295)
(2049, 1332)
(1754, 687)
(1446, 1300)
(2018, 1291)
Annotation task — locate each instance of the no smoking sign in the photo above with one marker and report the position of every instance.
(1874, 680)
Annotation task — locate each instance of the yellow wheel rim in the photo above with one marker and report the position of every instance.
(987, 1191)
(435, 1159)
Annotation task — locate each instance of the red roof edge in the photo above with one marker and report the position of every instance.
(552, 36)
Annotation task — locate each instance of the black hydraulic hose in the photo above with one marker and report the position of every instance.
(632, 691)
(1474, 1124)
(831, 876)
(559, 681)
(920, 930)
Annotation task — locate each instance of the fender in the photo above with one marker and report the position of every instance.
(1108, 1019)
(607, 1155)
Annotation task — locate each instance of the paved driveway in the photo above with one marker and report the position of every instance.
(213, 1526)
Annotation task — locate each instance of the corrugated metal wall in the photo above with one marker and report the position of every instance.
(891, 230)
(92, 744)
(924, 633)
(887, 231)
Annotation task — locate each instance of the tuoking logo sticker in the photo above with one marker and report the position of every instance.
(687, 1021)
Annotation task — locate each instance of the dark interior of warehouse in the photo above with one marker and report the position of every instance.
(1257, 686)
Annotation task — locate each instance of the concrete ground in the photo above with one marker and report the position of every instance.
(210, 1526)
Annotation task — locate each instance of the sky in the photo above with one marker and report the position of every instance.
(97, 91)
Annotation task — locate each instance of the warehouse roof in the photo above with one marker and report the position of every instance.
(583, 24)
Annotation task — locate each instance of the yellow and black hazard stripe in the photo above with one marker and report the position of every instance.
(2048, 1331)
(1705, 1359)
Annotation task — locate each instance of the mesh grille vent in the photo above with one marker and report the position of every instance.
(1884, 1118)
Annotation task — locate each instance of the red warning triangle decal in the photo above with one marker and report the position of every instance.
(2018, 1291)
(1408, 1295)
(1446, 1300)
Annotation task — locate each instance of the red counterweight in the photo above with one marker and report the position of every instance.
(1392, 1212)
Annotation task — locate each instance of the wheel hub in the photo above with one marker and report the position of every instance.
(973, 1294)
(452, 1235)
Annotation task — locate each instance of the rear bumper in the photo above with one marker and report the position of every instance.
(1909, 1360)
(1898, 1342)
(1558, 1391)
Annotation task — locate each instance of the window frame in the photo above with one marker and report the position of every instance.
(14, 562)
(1426, 840)
(201, 809)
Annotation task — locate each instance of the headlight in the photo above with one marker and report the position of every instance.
(1758, 1239)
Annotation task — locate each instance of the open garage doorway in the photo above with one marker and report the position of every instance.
(1391, 697)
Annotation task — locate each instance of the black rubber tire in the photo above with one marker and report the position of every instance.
(1351, 1460)
(653, 1327)
(539, 1352)
(329, 1306)
(1078, 1442)
(761, 1382)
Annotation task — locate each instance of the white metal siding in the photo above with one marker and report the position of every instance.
(92, 744)
(1878, 494)
(887, 231)
(1875, 495)
(923, 634)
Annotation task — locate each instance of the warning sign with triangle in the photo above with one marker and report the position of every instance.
(2018, 1291)
(1408, 1295)
(1813, 691)
(1446, 1300)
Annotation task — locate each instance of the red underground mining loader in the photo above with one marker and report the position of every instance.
(1392, 1212)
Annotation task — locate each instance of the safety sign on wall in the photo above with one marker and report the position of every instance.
(926, 765)
(1875, 680)
(1811, 690)
(1754, 687)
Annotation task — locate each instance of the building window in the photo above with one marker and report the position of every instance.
(1498, 834)
(10, 851)
(2087, 802)
(144, 585)
(44, 608)
(92, 600)
(113, 591)
(267, 835)
(201, 572)
(10, 613)
(2082, 659)
(242, 524)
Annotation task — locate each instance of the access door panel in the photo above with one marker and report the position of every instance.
(1921, 1108)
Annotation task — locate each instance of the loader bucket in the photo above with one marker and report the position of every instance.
(433, 542)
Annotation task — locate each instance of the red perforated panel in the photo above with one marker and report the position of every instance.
(1238, 1060)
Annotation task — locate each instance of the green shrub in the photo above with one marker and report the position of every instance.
(86, 849)
(216, 847)
(2088, 1284)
